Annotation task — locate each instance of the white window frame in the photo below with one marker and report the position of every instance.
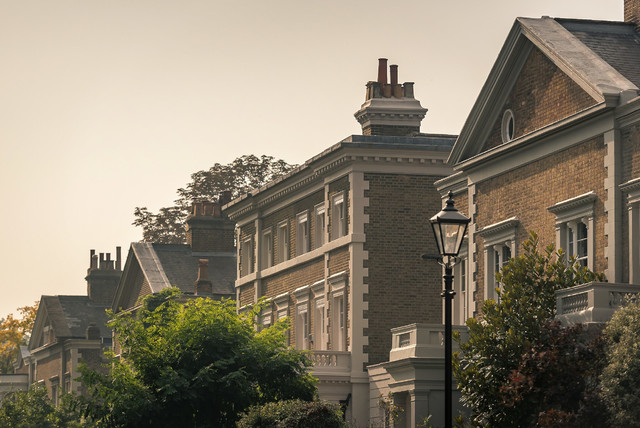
(266, 249)
(632, 189)
(302, 295)
(320, 225)
(569, 213)
(508, 121)
(499, 240)
(283, 241)
(319, 336)
(246, 261)
(281, 303)
(338, 312)
(338, 224)
(461, 286)
(302, 233)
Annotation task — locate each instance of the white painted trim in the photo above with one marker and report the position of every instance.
(613, 206)
(473, 249)
(357, 322)
(577, 209)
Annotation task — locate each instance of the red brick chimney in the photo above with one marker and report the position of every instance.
(208, 228)
(390, 108)
(632, 12)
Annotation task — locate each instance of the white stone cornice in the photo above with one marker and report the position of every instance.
(572, 208)
(496, 228)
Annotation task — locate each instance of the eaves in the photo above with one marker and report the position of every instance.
(540, 143)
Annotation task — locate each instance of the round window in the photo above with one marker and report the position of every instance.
(508, 126)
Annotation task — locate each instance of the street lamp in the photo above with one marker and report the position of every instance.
(449, 227)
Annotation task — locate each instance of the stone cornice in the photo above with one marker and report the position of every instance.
(569, 204)
(496, 228)
(269, 195)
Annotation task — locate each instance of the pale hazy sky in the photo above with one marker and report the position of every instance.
(109, 105)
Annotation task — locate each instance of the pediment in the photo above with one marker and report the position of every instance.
(543, 75)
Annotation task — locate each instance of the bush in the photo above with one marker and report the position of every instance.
(293, 414)
(620, 379)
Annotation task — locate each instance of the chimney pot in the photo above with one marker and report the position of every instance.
(118, 258)
(382, 70)
(394, 74)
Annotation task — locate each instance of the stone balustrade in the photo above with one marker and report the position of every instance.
(593, 302)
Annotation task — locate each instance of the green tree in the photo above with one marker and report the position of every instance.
(556, 383)
(240, 176)
(510, 327)
(34, 409)
(13, 333)
(620, 379)
(194, 362)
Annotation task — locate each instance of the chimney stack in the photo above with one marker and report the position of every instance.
(208, 228)
(203, 284)
(102, 277)
(390, 109)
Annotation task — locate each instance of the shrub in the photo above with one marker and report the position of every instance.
(293, 414)
(620, 379)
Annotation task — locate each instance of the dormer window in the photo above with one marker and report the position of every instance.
(508, 126)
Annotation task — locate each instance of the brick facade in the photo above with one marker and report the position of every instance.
(556, 178)
(542, 94)
(403, 288)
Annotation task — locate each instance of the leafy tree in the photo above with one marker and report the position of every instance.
(620, 378)
(556, 383)
(294, 414)
(13, 333)
(241, 175)
(510, 327)
(194, 362)
(34, 409)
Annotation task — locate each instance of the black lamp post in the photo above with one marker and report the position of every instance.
(449, 227)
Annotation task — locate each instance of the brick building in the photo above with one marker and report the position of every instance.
(552, 146)
(204, 266)
(69, 330)
(335, 245)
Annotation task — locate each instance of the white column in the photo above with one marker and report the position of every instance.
(588, 222)
(612, 206)
(634, 243)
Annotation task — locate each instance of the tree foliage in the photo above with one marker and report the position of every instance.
(34, 409)
(194, 362)
(240, 176)
(510, 327)
(294, 414)
(13, 333)
(620, 378)
(556, 383)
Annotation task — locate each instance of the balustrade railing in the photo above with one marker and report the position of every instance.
(593, 302)
(331, 360)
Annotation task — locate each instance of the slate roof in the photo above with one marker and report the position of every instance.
(166, 265)
(616, 42)
(70, 316)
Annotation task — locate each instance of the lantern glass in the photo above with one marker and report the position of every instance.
(449, 227)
